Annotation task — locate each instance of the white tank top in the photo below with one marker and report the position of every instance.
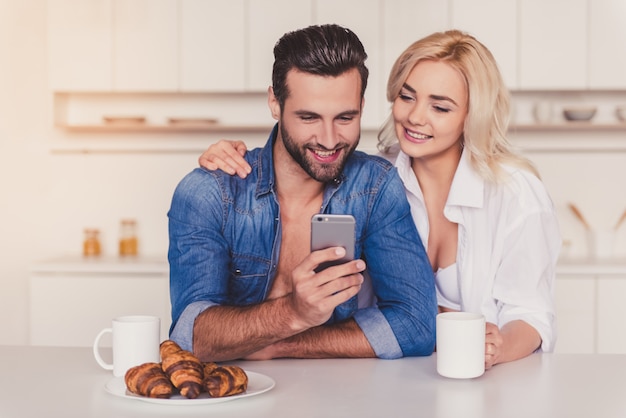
(447, 287)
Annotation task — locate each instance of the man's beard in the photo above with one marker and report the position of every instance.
(316, 170)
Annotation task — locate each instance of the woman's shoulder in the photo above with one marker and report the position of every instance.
(524, 186)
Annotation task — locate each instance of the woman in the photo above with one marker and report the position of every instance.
(485, 218)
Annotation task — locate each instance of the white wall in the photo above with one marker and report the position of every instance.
(48, 198)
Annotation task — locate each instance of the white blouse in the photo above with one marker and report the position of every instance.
(508, 244)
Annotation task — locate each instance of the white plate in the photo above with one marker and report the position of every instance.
(257, 383)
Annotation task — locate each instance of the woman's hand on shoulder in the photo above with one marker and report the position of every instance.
(227, 156)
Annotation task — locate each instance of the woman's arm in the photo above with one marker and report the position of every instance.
(227, 156)
(514, 341)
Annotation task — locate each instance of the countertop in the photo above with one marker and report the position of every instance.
(159, 264)
(144, 264)
(66, 382)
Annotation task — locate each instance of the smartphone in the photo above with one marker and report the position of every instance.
(330, 230)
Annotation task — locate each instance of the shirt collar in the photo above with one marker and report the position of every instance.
(467, 186)
(266, 176)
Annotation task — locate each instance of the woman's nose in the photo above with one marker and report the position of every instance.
(417, 115)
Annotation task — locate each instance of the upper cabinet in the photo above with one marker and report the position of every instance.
(553, 44)
(212, 39)
(217, 46)
(267, 21)
(607, 44)
(499, 34)
(79, 45)
(145, 45)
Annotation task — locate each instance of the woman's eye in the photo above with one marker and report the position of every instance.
(441, 109)
(405, 97)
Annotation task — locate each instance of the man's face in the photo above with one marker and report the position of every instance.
(320, 124)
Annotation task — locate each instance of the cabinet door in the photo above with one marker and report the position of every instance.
(70, 309)
(268, 21)
(404, 22)
(366, 25)
(212, 47)
(611, 314)
(553, 44)
(145, 45)
(79, 45)
(575, 299)
(499, 35)
(607, 44)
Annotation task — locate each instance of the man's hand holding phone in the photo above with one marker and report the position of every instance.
(317, 293)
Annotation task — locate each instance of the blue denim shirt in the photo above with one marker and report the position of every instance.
(225, 236)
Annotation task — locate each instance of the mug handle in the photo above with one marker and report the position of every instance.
(96, 351)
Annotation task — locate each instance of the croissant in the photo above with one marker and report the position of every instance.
(183, 369)
(209, 367)
(148, 379)
(225, 381)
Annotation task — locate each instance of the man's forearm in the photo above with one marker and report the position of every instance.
(223, 333)
(343, 339)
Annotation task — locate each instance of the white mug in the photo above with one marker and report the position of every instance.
(136, 340)
(460, 344)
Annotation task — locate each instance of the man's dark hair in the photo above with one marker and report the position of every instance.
(326, 50)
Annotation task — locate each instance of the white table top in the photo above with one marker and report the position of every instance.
(66, 382)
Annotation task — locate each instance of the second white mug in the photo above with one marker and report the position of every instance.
(460, 344)
(136, 340)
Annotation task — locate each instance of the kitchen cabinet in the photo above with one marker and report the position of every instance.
(113, 45)
(404, 22)
(499, 35)
(212, 46)
(611, 315)
(607, 42)
(553, 44)
(590, 307)
(79, 45)
(145, 45)
(73, 298)
(575, 312)
(267, 21)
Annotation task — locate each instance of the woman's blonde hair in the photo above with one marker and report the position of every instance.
(486, 124)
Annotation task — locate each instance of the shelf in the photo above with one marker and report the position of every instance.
(165, 128)
(592, 267)
(569, 126)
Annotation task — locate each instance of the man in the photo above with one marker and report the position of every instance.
(242, 277)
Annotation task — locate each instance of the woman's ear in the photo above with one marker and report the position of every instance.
(272, 103)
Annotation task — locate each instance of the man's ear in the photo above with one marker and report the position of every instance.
(272, 103)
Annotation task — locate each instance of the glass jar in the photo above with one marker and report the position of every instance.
(128, 237)
(91, 242)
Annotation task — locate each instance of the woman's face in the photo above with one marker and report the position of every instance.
(430, 110)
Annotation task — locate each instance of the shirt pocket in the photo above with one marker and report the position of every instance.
(248, 279)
